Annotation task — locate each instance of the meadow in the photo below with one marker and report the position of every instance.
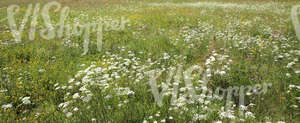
(150, 61)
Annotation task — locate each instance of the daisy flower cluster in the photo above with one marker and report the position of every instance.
(293, 93)
(194, 36)
(217, 64)
(112, 76)
(205, 103)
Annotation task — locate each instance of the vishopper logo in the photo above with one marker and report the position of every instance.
(188, 77)
(295, 20)
(60, 30)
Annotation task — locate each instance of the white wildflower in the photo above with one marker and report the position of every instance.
(199, 117)
(157, 114)
(63, 105)
(56, 84)
(1, 91)
(7, 106)
(294, 106)
(75, 109)
(289, 65)
(77, 83)
(243, 108)
(292, 86)
(70, 87)
(76, 95)
(71, 80)
(249, 115)
(288, 75)
(69, 114)
(87, 98)
(63, 87)
(42, 70)
(26, 100)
